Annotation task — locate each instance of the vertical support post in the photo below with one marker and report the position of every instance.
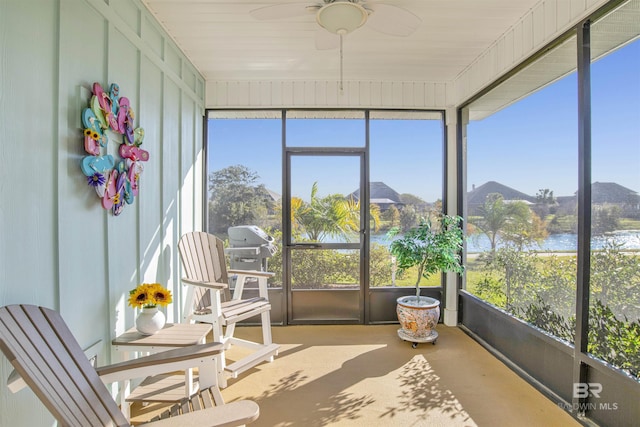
(451, 185)
(365, 225)
(205, 168)
(287, 313)
(462, 120)
(584, 208)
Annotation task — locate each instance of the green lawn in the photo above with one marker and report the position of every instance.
(410, 276)
(629, 224)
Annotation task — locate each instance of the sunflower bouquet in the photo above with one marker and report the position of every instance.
(148, 295)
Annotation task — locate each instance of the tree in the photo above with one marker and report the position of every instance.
(410, 199)
(605, 219)
(333, 215)
(511, 222)
(545, 196)
(544, 202)
(432, 248)
(528, 229)
(615, 279)
(493, 217)
(408, 217)
(392, 216)
(420, 206)
(235, 198)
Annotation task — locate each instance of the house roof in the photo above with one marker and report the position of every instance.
(378, 191)
(275, 196)
(478, 195)
(610, 192)
(601, 192)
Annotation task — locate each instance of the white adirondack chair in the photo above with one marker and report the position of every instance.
(208, 300)
(49, 360)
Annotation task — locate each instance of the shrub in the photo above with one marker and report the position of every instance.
(541, 290)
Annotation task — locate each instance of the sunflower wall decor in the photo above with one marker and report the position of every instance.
(115, 180)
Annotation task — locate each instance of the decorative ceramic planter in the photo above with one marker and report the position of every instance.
(418, 321)
(150, 320)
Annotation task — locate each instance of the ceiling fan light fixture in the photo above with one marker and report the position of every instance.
(341, 17)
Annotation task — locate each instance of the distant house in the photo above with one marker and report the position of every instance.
(272, 199)
(382, 195)
(612, 193)
(273, 196)
(603, 195)
(608, 194)
(567, 205)
(478, 195)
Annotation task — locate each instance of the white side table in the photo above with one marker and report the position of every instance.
(166, 387)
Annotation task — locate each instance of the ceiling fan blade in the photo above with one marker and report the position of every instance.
(392, 20)
(326, 40)
(283, 10)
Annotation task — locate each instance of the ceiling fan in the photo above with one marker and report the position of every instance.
(337, 18)
(341, 17)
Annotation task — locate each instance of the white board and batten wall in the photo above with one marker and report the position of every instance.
(58, 247)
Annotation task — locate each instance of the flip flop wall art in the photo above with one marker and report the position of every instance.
(115, 180)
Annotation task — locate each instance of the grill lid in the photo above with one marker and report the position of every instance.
(248, 235)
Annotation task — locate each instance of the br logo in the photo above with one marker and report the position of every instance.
(583, 390)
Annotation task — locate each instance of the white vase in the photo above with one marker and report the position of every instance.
(150, 320)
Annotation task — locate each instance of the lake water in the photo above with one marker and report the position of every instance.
(555, 242)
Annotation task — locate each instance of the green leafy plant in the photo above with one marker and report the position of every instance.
(432, 247)
(616, 341)
(541, 291)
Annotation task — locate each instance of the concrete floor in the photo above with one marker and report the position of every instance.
(366, 376)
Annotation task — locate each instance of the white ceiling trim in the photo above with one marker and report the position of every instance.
(326, 94)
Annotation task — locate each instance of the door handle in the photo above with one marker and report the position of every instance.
(305, 245)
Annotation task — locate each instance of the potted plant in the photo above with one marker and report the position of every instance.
(432, 247)
(147, 297)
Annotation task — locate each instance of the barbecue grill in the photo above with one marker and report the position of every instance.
(249, 248)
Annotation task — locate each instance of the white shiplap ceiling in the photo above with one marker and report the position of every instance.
(225, 42)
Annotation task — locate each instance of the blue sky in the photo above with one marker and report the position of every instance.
(528, 146)
(405, 154)
(533, 144)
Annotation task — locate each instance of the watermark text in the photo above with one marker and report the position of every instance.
(585, 391)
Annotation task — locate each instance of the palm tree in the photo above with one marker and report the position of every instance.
(510, 221)
(330, 216)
